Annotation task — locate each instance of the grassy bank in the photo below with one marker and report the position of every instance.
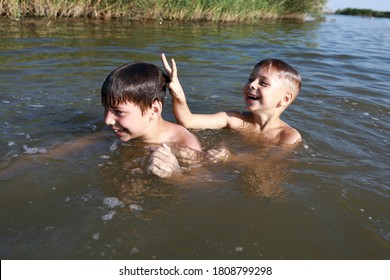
(188, 10)
(363, 13)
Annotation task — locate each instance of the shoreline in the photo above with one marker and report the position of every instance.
(144, 10)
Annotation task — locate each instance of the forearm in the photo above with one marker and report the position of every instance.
(181, 111)
(186, 118)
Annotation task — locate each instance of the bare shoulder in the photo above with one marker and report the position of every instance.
(180, 135)
(289, 136)
(238, 120)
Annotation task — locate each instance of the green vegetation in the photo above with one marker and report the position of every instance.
(188, 10)
(363, 12)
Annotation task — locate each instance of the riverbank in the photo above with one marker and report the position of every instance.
(363, 13)
(185, 10)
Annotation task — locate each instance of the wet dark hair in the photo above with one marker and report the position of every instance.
(137, 82)
(283, 69)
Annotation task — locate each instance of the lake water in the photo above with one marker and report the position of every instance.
(326, 199)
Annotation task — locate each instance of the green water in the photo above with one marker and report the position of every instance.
(327, 199)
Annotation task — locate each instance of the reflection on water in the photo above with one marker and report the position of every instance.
(326, 199)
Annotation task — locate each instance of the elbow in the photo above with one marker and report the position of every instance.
(185, 122)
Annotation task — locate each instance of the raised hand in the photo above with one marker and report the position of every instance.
(174, 86)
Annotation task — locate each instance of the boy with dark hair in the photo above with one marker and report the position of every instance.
(133, 97)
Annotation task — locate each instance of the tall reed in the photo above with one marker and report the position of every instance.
(189, 10)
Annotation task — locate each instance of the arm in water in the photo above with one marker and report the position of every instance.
(164, 161)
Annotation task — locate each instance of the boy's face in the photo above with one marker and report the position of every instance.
(127, 121)
(264, 90)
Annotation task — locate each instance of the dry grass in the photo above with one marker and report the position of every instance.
(188, 10)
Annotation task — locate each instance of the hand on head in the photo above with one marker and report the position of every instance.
(174, 86)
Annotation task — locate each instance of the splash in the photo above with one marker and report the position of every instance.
(34, 150)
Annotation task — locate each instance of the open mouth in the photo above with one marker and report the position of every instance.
(119, 131)
(253, 97)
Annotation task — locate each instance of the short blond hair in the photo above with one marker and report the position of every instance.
(284, 70)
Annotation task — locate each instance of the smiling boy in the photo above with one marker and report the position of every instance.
(133, 97)
(272, 86)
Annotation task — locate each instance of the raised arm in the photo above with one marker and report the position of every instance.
(180, 108)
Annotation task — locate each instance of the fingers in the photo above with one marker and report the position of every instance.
(151, 149)
(159, 168)
(162, 162)
(165, 146)
(166, 64)
(217, 155)
(163, 150)
(171, 71)
(174, 68)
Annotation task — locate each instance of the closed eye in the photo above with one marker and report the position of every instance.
(118, 112)
(263, 83)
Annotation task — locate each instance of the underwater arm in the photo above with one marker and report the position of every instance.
(161, 162)
(164, 161)
(32, 156)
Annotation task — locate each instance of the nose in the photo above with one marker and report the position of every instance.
(109, 118)
(253, 84)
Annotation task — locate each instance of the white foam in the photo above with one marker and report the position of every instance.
(135, 250)
(96, 236)
(239, 249)
(137, 171)
(34, 150)
(112, 202)
(114, 146)
(109, 215)
(135, 207)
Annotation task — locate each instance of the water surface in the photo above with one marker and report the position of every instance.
(327, 199)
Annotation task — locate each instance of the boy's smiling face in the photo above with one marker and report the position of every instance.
(127, 121)
(264, 90)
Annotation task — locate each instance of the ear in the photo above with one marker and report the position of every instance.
(286, 99)
(155, 110)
